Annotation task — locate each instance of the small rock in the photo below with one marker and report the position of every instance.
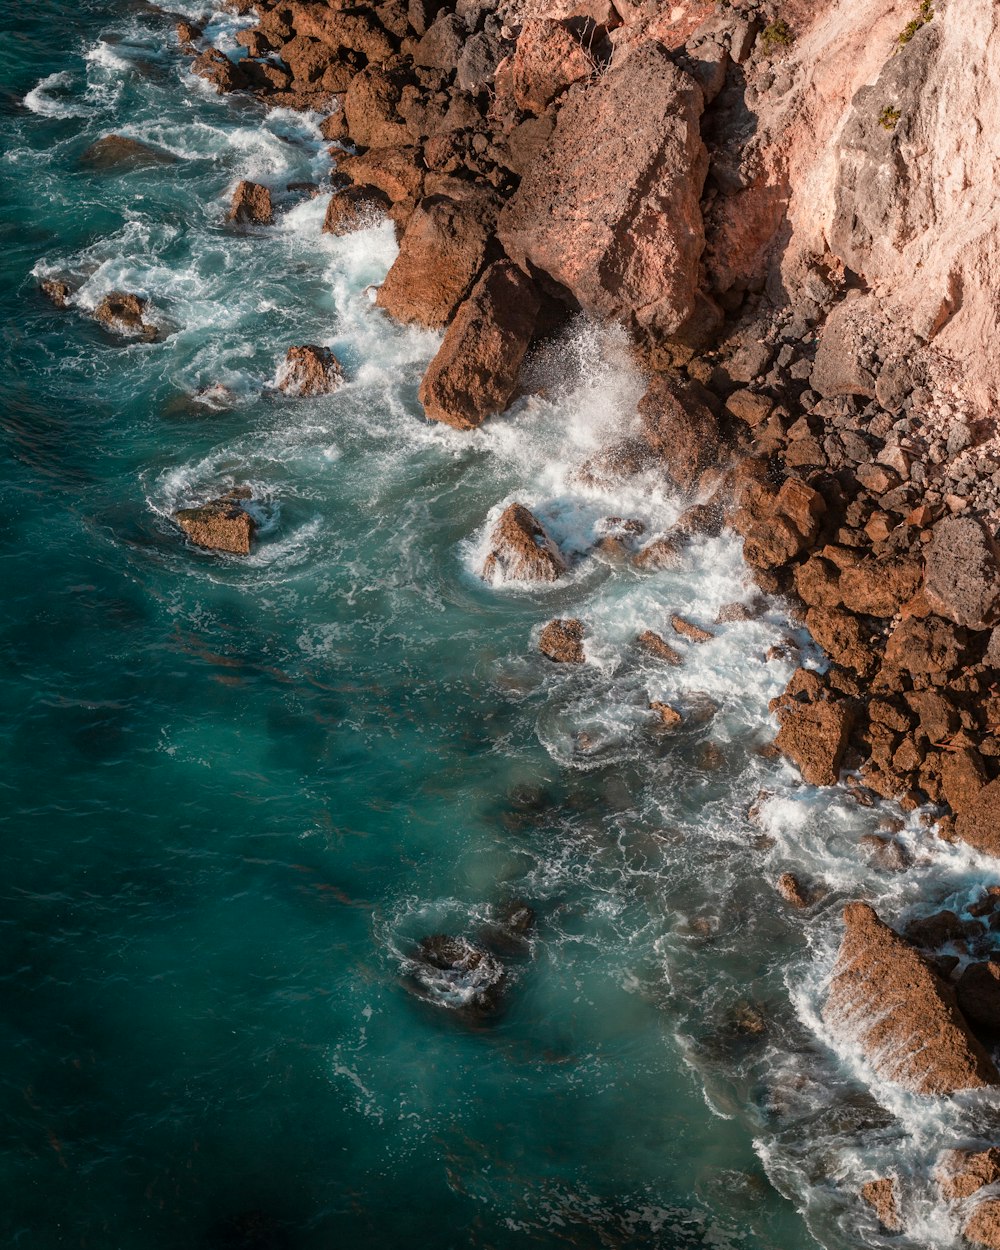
(884, 853)
(659, 553)
(309, 370)
(221, 525)
(694, 633)
(521, 550)
(120, 152)
(58, 292)
(881, 1197)
(960, 1173)
(355, 208)
(669, 717)
(121, 313)
(654, 645)
(562, 641)
(251, 205)
(455, 973)
(792, 890)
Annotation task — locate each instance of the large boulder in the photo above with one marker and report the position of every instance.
(879, 587)
(962, 574)
(610, 210)
(884, 998)
(309, 370)
(476, 369)
(982, 1228)
(251, 205)
(220, 525)
(844, 362)
(814, 737)
(979, 824)
(978, 990)
(681, 431)
(355, 208)
(371, 108)
(520, 550)
(440, 257)
(547, 60)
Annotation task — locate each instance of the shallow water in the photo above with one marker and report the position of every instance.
(235, 794)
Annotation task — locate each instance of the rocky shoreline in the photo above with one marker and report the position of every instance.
(626, 161)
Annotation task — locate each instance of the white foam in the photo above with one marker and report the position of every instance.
(45, 98)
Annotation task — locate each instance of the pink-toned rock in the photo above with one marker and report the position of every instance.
(611, 209)
(884, 998)
(960, 1173)
(562, 642)
(546, 60)
(982, 1228)
(680, 430)
(881, 1197)
(521, 550)
(474, 374)
(310, 370)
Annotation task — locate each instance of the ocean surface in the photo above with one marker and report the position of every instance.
(235, 794)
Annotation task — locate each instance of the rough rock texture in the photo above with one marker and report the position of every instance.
(979, 824)
(562, 641)
(680, 430)
(962, 577)
(310, 370)
(881, 1197)
(475, 372)
(251, 205)
(439, 259)
(814, 737)
(792, 890)
(982, 1227)
(960, 1173)
(122, 314)
(546, 61)
(978, 991)
(57, 291)
(884, 998)
(222, 525)
(612, 214)
(455, 973)
(521, 550)
(354, 208)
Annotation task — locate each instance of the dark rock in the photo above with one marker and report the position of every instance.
(455, 973)
(120, 152)
(884, 998)
(475, 372)
(931, 646)
(521, 550)
(681, 431)
(839, 368)
(310, 370)
(562, 641)
(442, 45)
(978, 990)
(933, 932)
(793, 891)
(219, 70)
(884, 853)
(251, 205)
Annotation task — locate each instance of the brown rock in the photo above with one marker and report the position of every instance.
(982, 1227)
(693, 633)
(187, 33)
(122, 313)
(58, 292)
(818, 583)
(393, 171)
(654, 645)
(792, 890)
(933, 932)
(963, 775)
(220, 70)
(354, 208)
(546, 60)
(938, 718)
(962, 577)
(884, 853)
(750, 407)
(680, 430)
(120, 152)
(475, 372)
(440, 257)
(310, 370)
(251, 205)
(562, 641)
(611, 210)
(960, 1173)
(668, 717)
(884, 998)
(932, 646)
(371, 107)
(222, 525)
(521, 550)
(880, 587)
(842, 636)
(881, 1197)
(978, 991)
(838, 368)
(441, 46)
(659, 553)
(814, 737)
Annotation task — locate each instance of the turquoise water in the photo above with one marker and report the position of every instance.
(235, 794)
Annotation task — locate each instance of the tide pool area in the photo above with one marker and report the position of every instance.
(237, 795)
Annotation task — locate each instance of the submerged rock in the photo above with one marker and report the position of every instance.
(121, 152)
(521, 550)
(310, 370)
(122, 314)
(884, 998)
(475, 372)
(651, 642)
(221, 525)
(57, 291)
(455, 973)
(562, 641)
(251, 205)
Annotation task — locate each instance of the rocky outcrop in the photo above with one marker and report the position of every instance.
(884, 998)
(123, 314)
(881, 1197)
(562, 641)
(121, 152)
(355, 208)
(961, 1173)
(475, 372)
(459, 975)
(680, 430)
(221, 525)
(251, 205)
(309, 370)
(520, 550)
(982, 1228)
(611, 214)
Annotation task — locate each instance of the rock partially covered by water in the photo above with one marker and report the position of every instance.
(251, 205)
(455, 973)
(960, 1173)
(881, 1197)
(884, 998)
(562, 641)
(978, 990)
(310, 370)
(219, 70)
(355, 208)
(982, 1227)
(475, 372)
(121, 152)
(57, 291)
(521, 550)
(220, 525)
(962, 574)
(122, 313)
(680, 430)
(611, 210)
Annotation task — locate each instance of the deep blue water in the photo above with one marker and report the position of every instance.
(235, 794)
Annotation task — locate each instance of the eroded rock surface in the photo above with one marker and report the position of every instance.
(521, 550)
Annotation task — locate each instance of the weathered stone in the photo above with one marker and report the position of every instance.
(930, 646)
(681, 431)
(654, 645)
(814, 737)
(395, 172)
(475, 372)
(881, 1197)
(222, 525)
(982, 1228)
(121, 152)
(880, 587)
(371, 108)
(884, 998)
(562, 641)
(962, 576)
(440, 257)
(611, 210)
(122, 314)
(218, 69)
(667, 717)
(960, 1173)
(455, 973)
(962, 777)
(251, 205)
(659, 553)
(354, 208)
(521, 550)
(839, 368)
(57, 291)
(792, 890)
(690, 631)
(310, 370)
(546, 60)
(884, 853)
(842, 636)
(442, 45)
(978, 991)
